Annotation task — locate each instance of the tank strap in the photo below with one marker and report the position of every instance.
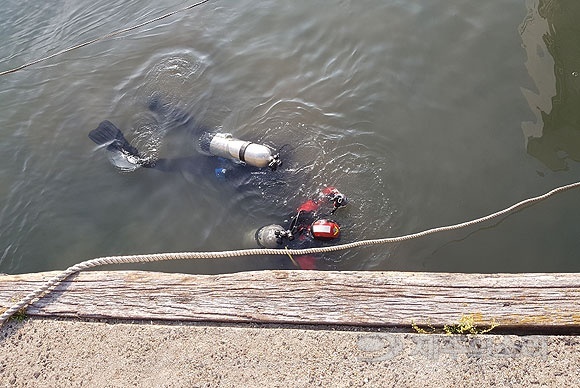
(242, 152)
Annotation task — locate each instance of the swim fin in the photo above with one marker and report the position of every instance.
(107, 133)
(120, 152)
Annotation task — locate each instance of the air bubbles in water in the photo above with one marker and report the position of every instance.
(178, 75)
(148, 137)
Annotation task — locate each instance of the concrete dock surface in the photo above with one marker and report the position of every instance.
(42, 352)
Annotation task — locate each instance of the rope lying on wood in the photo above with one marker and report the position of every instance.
(52, 283)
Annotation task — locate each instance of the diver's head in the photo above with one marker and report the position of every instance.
(335, 197)
(339, 200)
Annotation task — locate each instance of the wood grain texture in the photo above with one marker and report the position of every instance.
(310, 297)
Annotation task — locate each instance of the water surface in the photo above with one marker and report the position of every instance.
(425, 113)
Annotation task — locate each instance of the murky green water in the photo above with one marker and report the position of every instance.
(425, 113)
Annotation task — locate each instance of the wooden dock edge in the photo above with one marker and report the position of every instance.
(383, 299)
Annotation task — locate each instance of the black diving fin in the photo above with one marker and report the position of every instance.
(108, 134)
(119, 151)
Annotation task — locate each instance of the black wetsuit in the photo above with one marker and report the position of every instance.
(127, 158)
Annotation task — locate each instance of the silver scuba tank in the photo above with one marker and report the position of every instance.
(271, 236)
(226, 146)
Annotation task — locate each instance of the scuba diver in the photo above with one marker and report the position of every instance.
(212, 143)
(241, 162)
(309, 227)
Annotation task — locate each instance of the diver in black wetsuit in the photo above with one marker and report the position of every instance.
(232, 156)
(244, 163)
(223, 145)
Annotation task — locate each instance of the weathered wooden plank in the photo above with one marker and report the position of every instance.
(310, 297)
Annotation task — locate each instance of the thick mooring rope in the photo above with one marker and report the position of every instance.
(52, 283)
(107, 36)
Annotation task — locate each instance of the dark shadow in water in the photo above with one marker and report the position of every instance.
(551, 37)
